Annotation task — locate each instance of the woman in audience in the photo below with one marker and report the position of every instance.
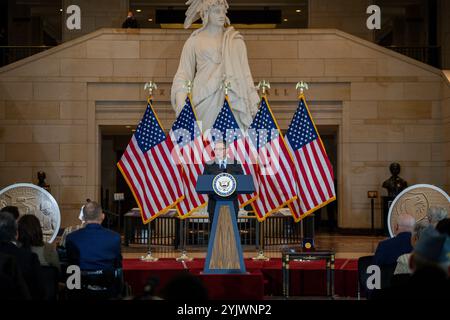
(68, 230)
(31, 237)
(436, 214)
(403, 260)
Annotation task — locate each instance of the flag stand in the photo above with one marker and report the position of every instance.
(183, 225)
(149, 257)
(150, 86)
(260, 242)
(262, 86)
(184, 256)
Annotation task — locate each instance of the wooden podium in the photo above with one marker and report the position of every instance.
(224, 248)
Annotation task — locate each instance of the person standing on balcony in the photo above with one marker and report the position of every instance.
(130, 21)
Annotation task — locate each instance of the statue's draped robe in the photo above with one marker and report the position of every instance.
(206, 66)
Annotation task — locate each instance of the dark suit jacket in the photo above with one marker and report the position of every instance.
(29, 267)
(94, 248)
(233, 168)
(12, 284)
(130, 23)
(389, 250)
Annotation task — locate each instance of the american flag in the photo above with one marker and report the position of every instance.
(189, 147)
(226, 128)
(314, 171)
(149, 169)
(275, 165)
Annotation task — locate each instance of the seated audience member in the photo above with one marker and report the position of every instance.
(389, 250)
(436, 214)
(71, 229)
(443, 226)
(12, 285)
(403, 260)
(94, 247)
(12, 210)
(430, 265)
(185, 287)
(27, 261)
(31, 237)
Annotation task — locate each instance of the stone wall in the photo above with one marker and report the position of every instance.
(95, 15)
(387, 107)
(346, 15)
(446, 124)
(445, 33)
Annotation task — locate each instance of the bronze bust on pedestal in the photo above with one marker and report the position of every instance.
(41, 181)
(395, 184)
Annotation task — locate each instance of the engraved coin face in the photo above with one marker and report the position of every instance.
(224, 184)
(31, 199)
(415, 201)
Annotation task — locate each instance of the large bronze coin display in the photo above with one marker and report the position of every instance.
(31, 199)
(415, 201)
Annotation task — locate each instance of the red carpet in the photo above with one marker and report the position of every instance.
(264, 278)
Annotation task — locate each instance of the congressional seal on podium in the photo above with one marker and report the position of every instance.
(31, 199)
(224, 184)
(416, 200)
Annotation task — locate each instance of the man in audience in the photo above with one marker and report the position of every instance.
(430, 264)
(389, 250)
(12, 210)
(436, 214)
(27, 262)
(94, 247)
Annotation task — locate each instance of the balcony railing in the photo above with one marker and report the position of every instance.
(430, 55)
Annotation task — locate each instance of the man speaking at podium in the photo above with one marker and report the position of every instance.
(219, 165)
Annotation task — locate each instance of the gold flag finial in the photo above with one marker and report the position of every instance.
(263, 85)
(150, 86)
(302, 86)
(226, 85)
(188, 86)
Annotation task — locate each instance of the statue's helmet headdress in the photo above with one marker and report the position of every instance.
(199, 9)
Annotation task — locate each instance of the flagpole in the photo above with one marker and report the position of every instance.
(262, 86)
(183, 225)
(301, 87)
(150, 86)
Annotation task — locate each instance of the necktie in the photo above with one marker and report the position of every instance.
(223, 165)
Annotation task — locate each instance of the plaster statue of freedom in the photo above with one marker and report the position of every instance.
(212, 53)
